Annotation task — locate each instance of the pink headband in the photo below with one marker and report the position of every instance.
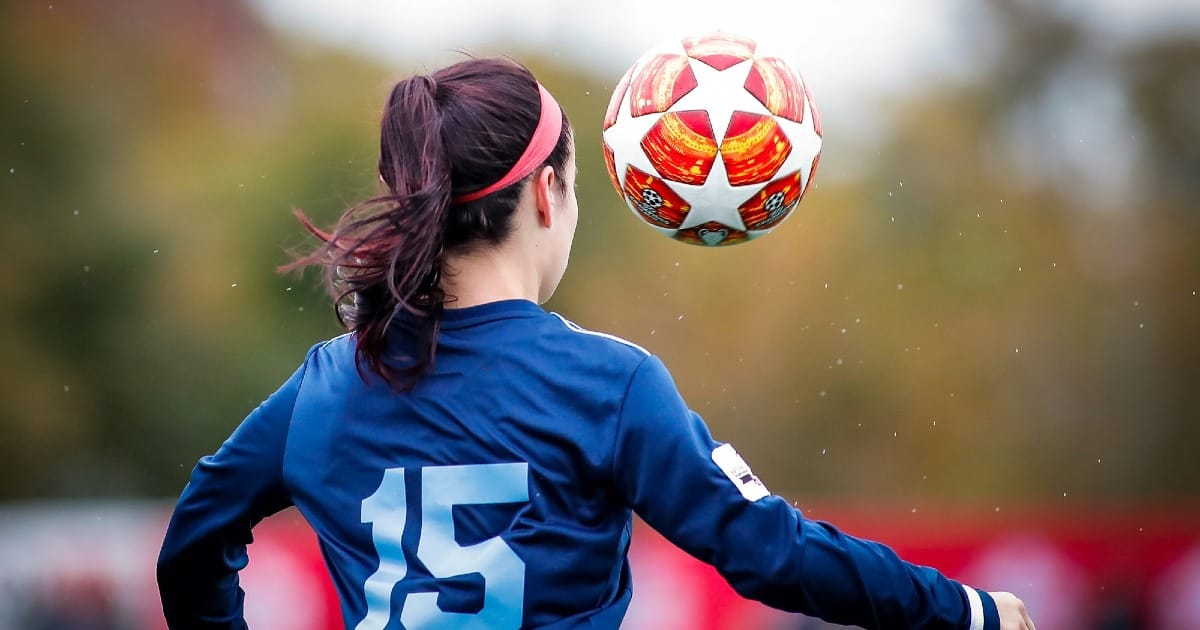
(545, 137)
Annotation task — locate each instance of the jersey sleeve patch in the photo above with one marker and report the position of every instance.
(738, 471)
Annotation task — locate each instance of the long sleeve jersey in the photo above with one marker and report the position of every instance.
(499, 492)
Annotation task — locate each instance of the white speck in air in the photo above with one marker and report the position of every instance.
(914, 511)
(66, 388)
(288, 289)
(301, 309)
(1136, 303)
(75, 212)
(1016, 349)
(87, 268)
(839, 361)
(997, 508)
(890, 194)
(652, 331)
(676, 263)
(1141, 325)
(823, 451)
(901, 183)
(680, 318)
(233, 285)
(823, 395)
(900, 287)
(843, 332)
(155, 251)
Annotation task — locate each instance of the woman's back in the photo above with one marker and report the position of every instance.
(499, 463)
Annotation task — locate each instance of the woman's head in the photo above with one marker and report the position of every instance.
(446, 140)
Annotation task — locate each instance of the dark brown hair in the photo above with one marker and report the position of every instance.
(446, 134)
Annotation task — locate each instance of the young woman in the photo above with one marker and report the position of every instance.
(469, 460)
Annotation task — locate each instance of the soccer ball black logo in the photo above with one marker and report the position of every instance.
(650, 203)
(774, 203)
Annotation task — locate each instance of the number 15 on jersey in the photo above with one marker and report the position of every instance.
(443, 487)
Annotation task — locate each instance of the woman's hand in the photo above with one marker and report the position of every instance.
(1013, 615)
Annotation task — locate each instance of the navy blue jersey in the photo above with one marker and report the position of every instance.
(499, 493)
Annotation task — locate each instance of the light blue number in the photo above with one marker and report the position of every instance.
(387, 511)
(443, 487)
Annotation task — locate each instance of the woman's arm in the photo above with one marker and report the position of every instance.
(229, 492)
(705, 499)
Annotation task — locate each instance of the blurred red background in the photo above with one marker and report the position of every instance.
(75, 566)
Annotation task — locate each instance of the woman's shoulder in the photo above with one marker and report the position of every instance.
(607, 344)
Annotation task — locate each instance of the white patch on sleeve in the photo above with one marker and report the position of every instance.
(739, 473)
(976, 605)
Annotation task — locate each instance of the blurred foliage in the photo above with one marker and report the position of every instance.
(971, 313)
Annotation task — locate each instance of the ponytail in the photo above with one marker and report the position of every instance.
(385, 255)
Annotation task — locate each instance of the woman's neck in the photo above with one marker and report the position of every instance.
(487, 275)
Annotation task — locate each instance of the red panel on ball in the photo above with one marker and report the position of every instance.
(659, 82)
(754, 148)
(777, 87)
(653, 199)
(719, 50)
(681, 146)
(812, 172)
(712, 233)
(812, 105)
(618, 95)
(772, 204)
(610, 161)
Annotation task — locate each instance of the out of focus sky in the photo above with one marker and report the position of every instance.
(850, 51)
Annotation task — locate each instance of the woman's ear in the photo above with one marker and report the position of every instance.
(544, 197)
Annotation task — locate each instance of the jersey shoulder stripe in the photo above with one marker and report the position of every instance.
(573, 327)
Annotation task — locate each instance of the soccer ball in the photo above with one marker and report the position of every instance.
(710, 140)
